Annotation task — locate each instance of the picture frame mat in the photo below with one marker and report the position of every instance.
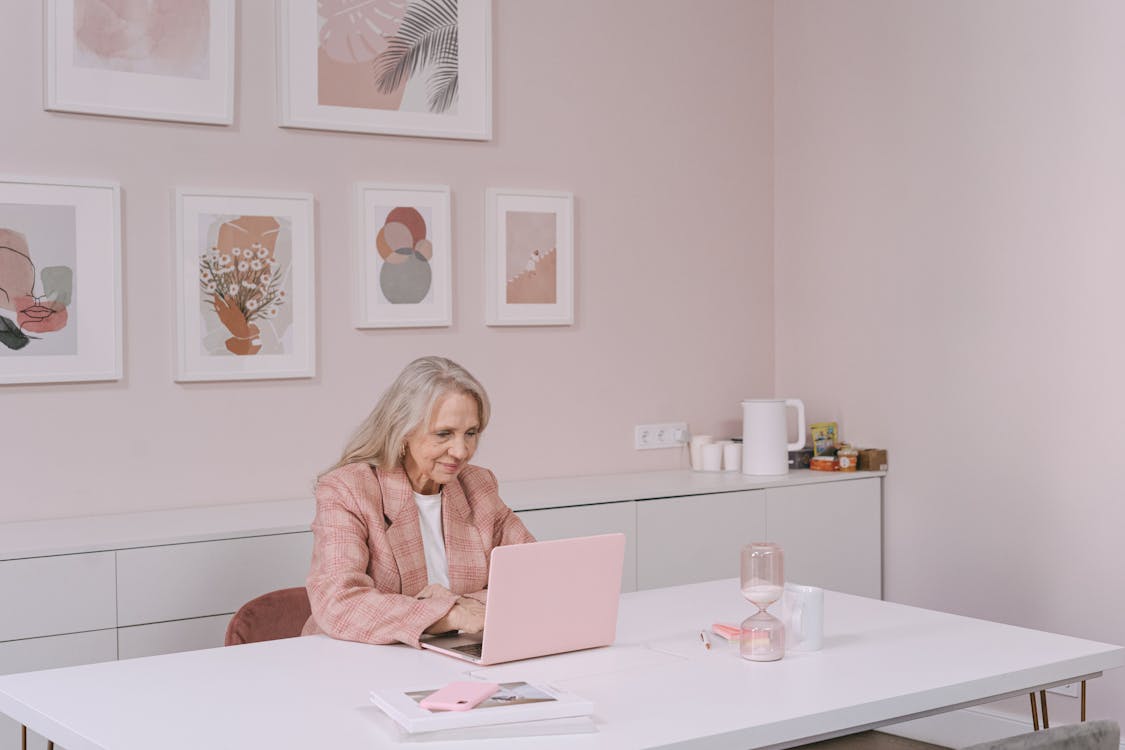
(439, 312)
(190, 364)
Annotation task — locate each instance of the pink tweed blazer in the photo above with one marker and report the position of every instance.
(368, 562)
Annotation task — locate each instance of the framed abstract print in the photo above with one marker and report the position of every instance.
(403, 258)
(156, 60)
(244, 291)
(400, 67)
(529, 258)
(60, 281)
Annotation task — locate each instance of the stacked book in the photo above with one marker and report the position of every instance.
(517, 709)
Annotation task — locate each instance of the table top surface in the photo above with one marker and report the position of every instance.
(655, 687)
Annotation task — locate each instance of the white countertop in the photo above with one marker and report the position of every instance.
(148, 528)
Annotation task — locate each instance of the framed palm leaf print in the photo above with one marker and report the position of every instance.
(401, 67)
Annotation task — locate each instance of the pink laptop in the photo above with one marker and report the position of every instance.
(545, 598)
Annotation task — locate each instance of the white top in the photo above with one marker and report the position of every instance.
(433, 542)
(655, 687)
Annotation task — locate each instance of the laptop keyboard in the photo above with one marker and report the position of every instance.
(469, 649)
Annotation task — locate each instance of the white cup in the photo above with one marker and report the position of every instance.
(712, 456)
(697, 443)
(732, 455)
(802, 611)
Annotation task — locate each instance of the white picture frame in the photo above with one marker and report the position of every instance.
(260, 245)
(402, 256)
(92, 66)
(521, 223)
(325, 62)
(60, 281)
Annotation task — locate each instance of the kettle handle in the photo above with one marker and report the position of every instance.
(799, 405)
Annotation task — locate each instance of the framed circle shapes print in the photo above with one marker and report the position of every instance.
(403, 256)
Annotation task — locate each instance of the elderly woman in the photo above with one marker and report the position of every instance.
(404, 524)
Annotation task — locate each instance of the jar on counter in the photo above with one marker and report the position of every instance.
(822, 463)
(847, 459)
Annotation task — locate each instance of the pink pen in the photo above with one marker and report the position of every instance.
(730, 632)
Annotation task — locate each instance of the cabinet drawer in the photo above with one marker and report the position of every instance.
(53, 595)
(588, 520)
(171, 637)
(178, 581)
(32, 654)
(696, 538)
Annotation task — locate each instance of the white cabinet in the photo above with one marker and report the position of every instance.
(588, 520)
(175, 581)
(696, 538)
(170, 637)
(51, 595)
(831, 534)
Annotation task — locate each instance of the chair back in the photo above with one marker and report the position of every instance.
(278, 614)
(1088, 735)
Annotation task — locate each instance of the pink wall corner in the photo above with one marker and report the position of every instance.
(666, 147)
(948, 235)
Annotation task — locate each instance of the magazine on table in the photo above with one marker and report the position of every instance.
(513, 702)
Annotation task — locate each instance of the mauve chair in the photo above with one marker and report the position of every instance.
(1088, 735)
(278, 614)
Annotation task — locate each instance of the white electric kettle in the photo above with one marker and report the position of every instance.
(765, 441)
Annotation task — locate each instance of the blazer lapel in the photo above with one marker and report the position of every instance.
(468, 560)
(404, 535)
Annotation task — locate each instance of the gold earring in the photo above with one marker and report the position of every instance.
(402, 452)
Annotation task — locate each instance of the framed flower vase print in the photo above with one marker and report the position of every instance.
(403, 259)
(60, 281)
(529, 258)
(400, 67)
(244, 290)
(156, 60)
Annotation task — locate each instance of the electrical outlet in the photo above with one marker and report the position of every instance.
(1069, 689)
(664, 435)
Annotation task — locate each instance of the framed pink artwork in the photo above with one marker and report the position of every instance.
(156, 60)
(401, 67)
(529, 258)
(245, 289)
(60, 281)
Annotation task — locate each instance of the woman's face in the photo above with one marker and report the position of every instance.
(437, 451)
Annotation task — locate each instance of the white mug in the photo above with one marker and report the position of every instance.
(802, 610)
(732, 455)
(712, 456)
(696, 448)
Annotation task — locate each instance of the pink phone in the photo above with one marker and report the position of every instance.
(458, 696)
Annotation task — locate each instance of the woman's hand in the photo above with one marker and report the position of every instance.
(470, 614)
(432, 590)
(467, 616)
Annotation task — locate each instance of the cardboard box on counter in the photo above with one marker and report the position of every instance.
(872, 459)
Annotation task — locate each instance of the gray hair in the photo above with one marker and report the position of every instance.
(408, 404)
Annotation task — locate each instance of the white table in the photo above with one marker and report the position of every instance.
(657, 687)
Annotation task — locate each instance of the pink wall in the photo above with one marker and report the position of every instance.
(668, 155)
(949, 234)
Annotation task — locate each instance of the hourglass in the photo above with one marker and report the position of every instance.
(763, 581)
